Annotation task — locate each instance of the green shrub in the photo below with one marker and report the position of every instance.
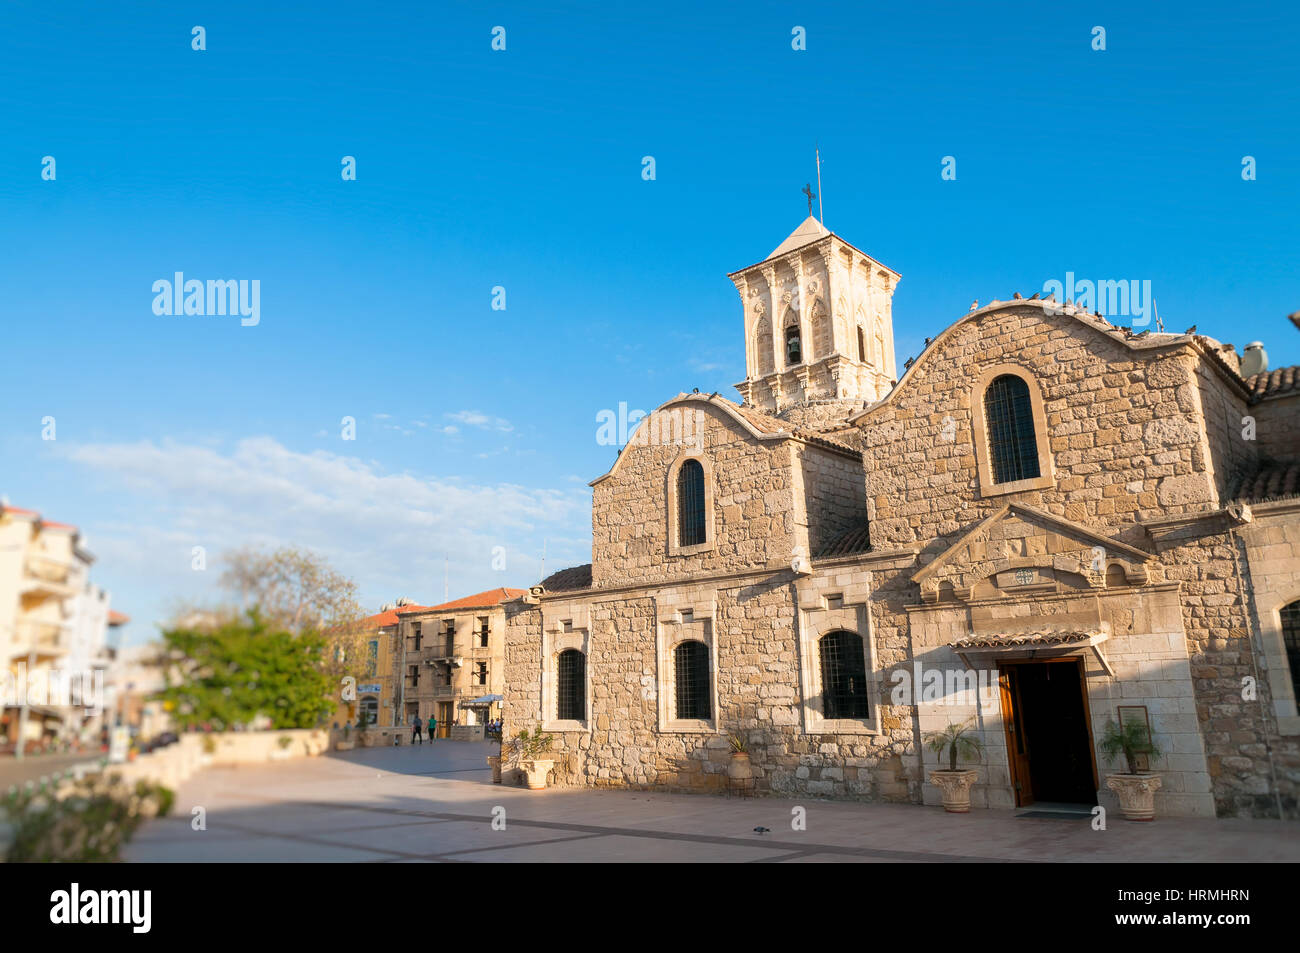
(83, 821)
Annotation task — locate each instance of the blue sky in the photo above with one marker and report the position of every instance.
(522, 169)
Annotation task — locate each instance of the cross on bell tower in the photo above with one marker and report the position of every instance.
(807, 190)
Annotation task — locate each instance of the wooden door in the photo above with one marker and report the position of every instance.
(1017, 743)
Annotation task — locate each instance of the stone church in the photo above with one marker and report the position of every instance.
(1044, 524)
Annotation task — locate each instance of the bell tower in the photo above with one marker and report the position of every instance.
(819, 330)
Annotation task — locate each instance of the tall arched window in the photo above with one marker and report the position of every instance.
(571, 686)
(793, 346)
(763, 347)
(1291, 639)
(690, 504)
(1013, 445)
(844, 675)
(691, 669)
(862, 346)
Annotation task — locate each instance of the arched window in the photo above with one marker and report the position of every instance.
(370, 708)
(690, 504)
(1291, 639)
(823, 342)
(862, 346)
(691, 668)
(571, 686)
(844, 676)
(1013, 446)
(793, 348)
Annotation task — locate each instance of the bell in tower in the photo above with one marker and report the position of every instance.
(819, 335)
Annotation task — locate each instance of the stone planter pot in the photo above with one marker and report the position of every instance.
(955, 786)
(535, 771)
(344, 745)
(1136, 793)
(494, 762)
(740, 772)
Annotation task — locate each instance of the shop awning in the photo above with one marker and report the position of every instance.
(481, 701)
(1036, 642)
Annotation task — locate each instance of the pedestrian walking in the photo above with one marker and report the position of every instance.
(415, 730)
(433, 728)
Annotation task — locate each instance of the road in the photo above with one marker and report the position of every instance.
(36, 766)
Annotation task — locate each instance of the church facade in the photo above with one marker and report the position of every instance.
(1046, 524)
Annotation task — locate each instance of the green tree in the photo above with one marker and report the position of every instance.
(243, 668)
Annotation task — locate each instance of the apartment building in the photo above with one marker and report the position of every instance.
(450, 660)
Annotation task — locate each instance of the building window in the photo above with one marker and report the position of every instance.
(415, 637)
(571, 686)
(691, 668)
(1013, 446)
(449, 633)
(482, 632)
(1291, 639)
(862, 346)
(480, 673)
(844, 676)
(690, 504)
(370, 709)
(413, 677)
(793, 350)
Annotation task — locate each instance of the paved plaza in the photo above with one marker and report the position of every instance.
(436, 803)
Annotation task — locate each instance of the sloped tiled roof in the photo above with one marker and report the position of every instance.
(481, 600)
(1268, 481)
(388, 617)
(1044, 636)
(566, 580)
(766, 423)
(847, 543)
(1275, 383)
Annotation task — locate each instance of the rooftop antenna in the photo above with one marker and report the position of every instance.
(1160, 325)
(821, 212)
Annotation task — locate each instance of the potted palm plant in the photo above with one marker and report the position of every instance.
(955, 741)
(740, 772)
(281, 752)
(1135, 789)
(529, 749)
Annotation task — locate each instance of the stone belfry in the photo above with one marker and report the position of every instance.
(819, 330)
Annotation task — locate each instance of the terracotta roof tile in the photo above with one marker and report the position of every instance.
(1268, 481)
(1044, 636)
(1275, 383)
(566, 580)
(847, 543)
(480, 600)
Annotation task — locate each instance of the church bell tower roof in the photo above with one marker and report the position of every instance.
(809, 231)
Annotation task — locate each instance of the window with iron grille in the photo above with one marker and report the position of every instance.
(691, 667)
(844, 676)
(1291, 639)
(415, 636)
(793, 346)
(482, 632)
(480, 673)
(449, 633)
(414, 676)
(571, 686)
(1013, 446)
(690, 504)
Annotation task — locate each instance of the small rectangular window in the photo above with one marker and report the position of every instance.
(835, 601)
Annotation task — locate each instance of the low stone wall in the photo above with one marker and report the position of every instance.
(174, 764)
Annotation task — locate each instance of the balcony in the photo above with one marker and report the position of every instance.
(47, 576)
(444, 691)
(42, 639)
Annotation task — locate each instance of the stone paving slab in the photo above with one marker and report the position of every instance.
(436, 803)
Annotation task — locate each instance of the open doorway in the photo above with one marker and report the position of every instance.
(1049, 741)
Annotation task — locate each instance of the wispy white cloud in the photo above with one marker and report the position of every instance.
(473, 418)
(389, 531)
